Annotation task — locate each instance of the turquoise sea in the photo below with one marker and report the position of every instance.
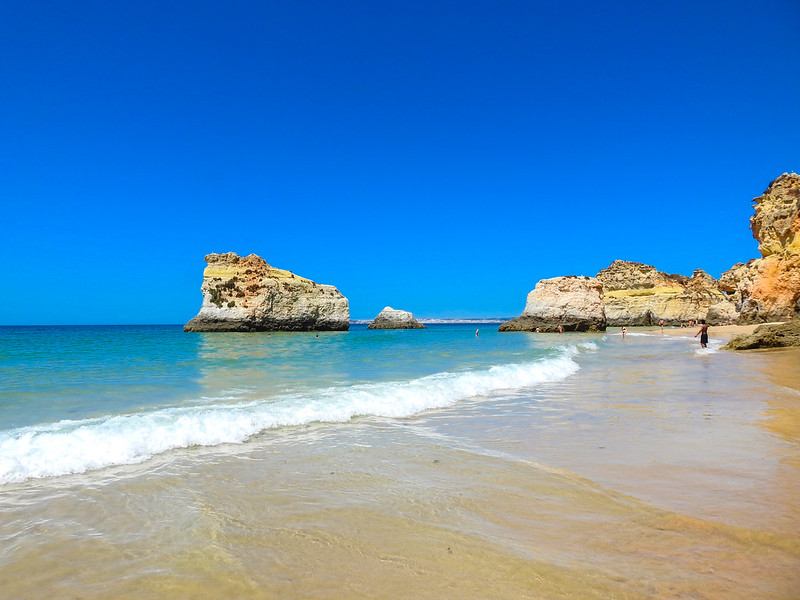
(145, 462)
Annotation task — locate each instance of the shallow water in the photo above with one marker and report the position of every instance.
(581, 466)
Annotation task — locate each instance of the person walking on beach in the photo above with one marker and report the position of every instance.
(624, 332)
(703, 333)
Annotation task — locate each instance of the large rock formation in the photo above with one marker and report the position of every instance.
(763, 289)
(573, 303)
(638, 294)
(247, 294)
(768, 336)
(390, 318)
(768, 288)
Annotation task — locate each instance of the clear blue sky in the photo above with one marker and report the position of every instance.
(439, 157)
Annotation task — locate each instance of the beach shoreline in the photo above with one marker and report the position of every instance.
(637, 468)
(720, 332)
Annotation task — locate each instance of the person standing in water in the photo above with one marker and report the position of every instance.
(703, 333)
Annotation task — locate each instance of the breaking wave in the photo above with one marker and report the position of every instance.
(69, 447)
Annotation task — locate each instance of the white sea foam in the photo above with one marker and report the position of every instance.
(70, 447)
(713, 347)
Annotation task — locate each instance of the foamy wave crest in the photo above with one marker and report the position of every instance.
(70, 447)
(713, 347)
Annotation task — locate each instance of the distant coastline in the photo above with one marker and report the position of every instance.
(491, 320)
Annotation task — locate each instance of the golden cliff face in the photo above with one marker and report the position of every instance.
(566, 303)
(776, 225)
(763, 289)
(777, 220)
(247, 294)
(768, 288)
(639, 294)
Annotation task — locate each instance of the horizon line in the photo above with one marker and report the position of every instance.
(351, 321)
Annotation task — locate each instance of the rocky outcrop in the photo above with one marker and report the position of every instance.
(390, 318)
(247, 294)
(763, 289)
(722, 313)
(781, 335)
(639, 294)
(572, 303)
(768, 288)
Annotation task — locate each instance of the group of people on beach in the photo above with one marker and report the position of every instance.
(702, 332)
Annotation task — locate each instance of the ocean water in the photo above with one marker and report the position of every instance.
(145, 462)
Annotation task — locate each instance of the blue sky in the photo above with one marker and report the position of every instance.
(439, 157)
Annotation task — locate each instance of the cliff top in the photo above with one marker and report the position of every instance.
(228, 264)
(777, 218)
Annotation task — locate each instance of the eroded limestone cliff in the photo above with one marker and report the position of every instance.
(247, 294)
(763, 289)
(639, 294)
(768, 288)
(570, 302)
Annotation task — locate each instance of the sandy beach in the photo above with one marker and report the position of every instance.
(719, 332)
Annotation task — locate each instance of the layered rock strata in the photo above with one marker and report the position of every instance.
(768, 288)
(570, 303)
(638, 294)
(763, 289)
(390, 318)
(247, 294)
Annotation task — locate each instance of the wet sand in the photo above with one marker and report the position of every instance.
(722, 332)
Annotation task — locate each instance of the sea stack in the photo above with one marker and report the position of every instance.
(570, 303)
(390, 318)
(247, 294)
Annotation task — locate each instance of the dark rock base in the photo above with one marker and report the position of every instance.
(785, 335)
(200, 325)
(524, 323)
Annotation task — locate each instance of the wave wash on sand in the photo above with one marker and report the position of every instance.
(69, 447)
